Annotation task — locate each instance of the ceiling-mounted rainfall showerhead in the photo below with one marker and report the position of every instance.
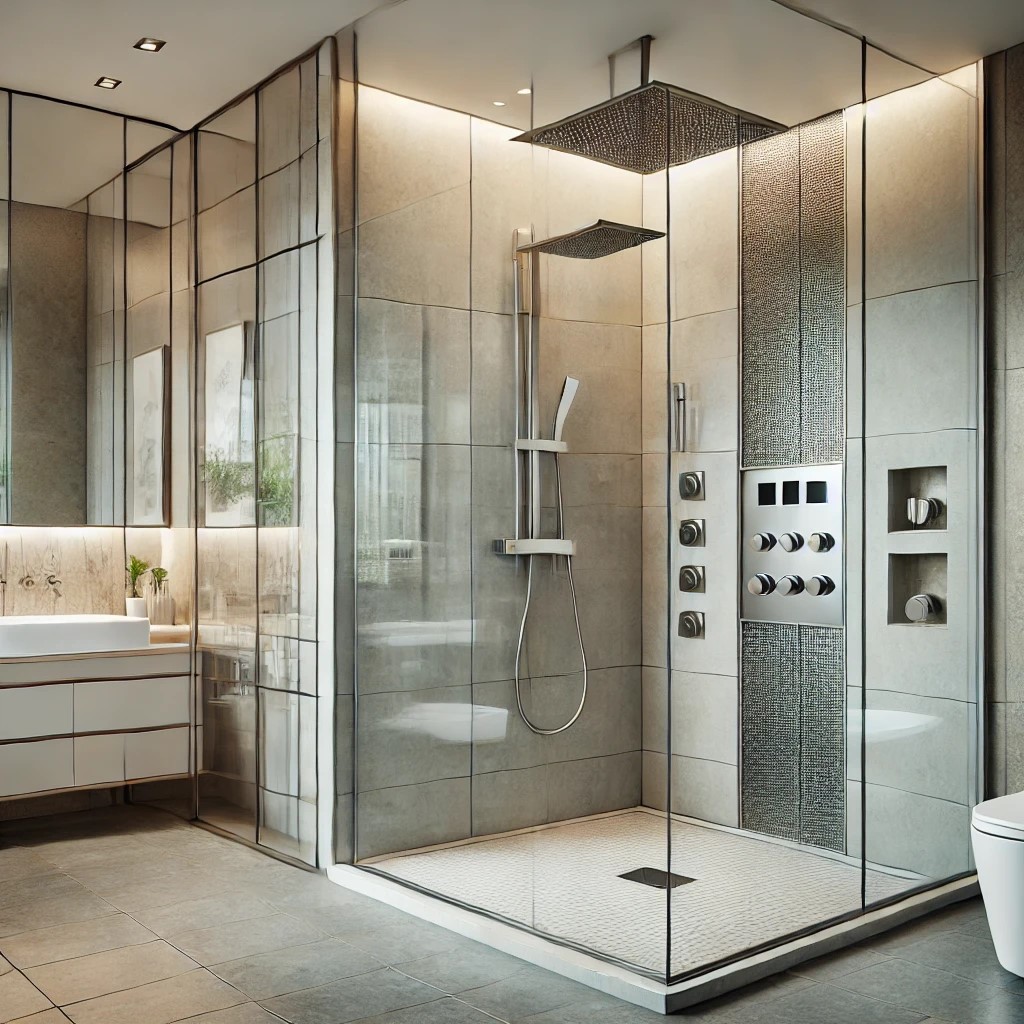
(602, 238)
(652, 127)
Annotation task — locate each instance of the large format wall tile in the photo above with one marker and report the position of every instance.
(419, 253)
(920, 216)
(705, 715)
(916, 833)
(413, 566)
(413, 365)
(505, 199)
(414, 736)
(921, 361)
(408, 151)
(704, 239)
(408, 817)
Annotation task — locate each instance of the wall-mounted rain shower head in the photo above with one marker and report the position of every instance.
(652, 127)
(602, 238)
(569, 389)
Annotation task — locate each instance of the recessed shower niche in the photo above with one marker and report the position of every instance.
(918, 589)
(917, 498)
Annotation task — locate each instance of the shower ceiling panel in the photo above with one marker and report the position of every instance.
(649, 128)
(602, 238)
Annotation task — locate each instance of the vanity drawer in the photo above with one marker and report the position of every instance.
(122, 757)
(151, 754)
(131, 704)
(36, 767)
(99, 759)
(35, 711)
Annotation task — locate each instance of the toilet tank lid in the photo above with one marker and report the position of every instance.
(1006, 812)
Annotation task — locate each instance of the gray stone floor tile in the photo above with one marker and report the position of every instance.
(290, 970)
(606, 1010)
(825, 1003)
(963, 954)
(51, 1016)
(36, 887)
(188, 915)
(410, 939)
(19, 997)
(441, 1011)
(349, 918)
(237, 939)
(46, 913)
(98, 974)
(64, 941)
(367, 995)
(470, 966)
(525, 994)
(935, 993)
(160, 1002)
(20, 862)
(835, 965)
(243, 1013)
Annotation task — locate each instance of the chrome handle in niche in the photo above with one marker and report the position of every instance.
(922, 511)
(923, 608)
(691, 533)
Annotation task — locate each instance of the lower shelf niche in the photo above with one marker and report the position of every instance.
(917, 574)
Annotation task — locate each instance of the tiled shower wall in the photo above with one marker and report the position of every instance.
(701, 351)
(1004, 157)
(919, 409)
(437, 611)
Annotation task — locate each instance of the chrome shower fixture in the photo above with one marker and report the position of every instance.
(569, 389)
(653, 126)
(602, 238)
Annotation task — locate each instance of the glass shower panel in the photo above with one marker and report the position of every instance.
(749, 402)
(148, 336)
(227, 554)
(5, 312)
(920, 446)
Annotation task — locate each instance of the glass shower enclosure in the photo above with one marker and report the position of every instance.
(658, 586)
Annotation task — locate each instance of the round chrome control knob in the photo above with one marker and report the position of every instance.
(820, 586)
(762, 541)
(821, 542)
(691, 577)
(791, 542)
(790, 585)
(761, 585)
(691, 485)
(691, 625)
(691, 532)
(922, 608)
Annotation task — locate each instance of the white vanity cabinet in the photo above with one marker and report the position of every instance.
(83, 721)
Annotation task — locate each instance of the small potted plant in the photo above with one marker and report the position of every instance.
(161, 604)
(135, 601)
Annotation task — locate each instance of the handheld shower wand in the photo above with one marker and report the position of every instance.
(569, 389)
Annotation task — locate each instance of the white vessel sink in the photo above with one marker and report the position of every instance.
(32, 636)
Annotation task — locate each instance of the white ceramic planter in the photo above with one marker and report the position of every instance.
(135, 608)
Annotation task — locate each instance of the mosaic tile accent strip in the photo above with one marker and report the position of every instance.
(770, 268)
(793, 265)
(564, 881)
(822, 737)
(770, 721)
(793, 733)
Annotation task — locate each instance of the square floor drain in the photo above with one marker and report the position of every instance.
(656, 878)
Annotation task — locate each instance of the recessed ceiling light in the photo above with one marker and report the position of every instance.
(150, 45)
(107, 83)
(498, 103)
(523, 92)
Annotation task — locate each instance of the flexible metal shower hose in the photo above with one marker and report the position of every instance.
(576, 614)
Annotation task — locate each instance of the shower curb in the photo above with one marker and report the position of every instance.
(633, 988)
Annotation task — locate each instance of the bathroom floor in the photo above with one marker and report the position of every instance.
(130, 916)
(565, 881)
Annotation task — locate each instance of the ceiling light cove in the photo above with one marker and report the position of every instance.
(150, 45)
(524, 92)
(498, 103)
(107, 83)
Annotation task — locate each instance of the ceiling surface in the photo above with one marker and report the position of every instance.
(215, 49)
(758, 55)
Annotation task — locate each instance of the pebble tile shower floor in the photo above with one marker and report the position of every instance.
(130, 916)
(566, 881)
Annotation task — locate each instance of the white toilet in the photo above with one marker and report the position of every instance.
(997, 834)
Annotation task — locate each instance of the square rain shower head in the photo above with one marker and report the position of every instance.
(602, 238)
(649, 128)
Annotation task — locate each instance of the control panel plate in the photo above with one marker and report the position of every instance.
(804, 500)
